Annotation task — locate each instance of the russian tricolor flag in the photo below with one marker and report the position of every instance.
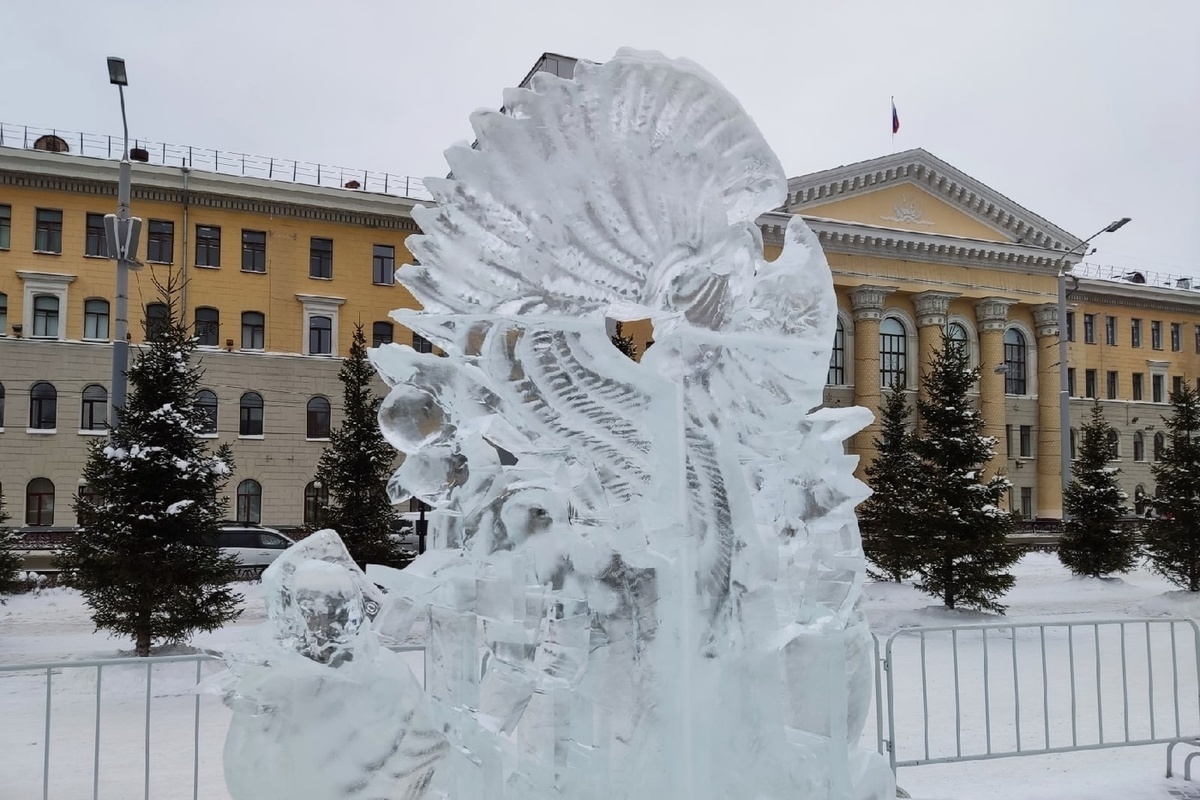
(895, 118)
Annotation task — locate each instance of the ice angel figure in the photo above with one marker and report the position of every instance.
(320, 711)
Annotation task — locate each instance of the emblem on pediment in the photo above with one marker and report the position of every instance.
(907, 210)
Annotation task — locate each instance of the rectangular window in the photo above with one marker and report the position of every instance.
(95, 318)
(160, 242)
(1089, 328)
(208, 246)
(1110, 331)
(6, 238)
(95, 243)
(836, 376)
(1026, 441)
(47, 233)
(1156, 334)
(1112, 385)
(1176, 337)
(383, 265)
(1027, 502)
(1089, 383)
(254, 251)
(45, 316)
(1158, 389)
(1070, 326)
(1135, 333)
(208, 327)
(320, 258)
(1138, 391)
(1071, 381)
(320, 336)
(254, 326)
(1176, 386)
(1198, 338)
(1008, 448)
(421, 344)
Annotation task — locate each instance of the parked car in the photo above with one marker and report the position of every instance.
(254, 546)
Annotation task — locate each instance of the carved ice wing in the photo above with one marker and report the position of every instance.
(636, 183)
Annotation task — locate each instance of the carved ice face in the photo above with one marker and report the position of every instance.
(331, 608)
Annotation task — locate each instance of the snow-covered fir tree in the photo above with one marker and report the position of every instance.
(891, 517)
(356, 466)
(1172, 538)
(1093, 542)
(965, 555)
(10, 562)
(145, 557)
(624, 343)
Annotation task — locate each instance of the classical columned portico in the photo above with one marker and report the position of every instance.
(991, 314)
(1049, 448)
(931, 308)
(866, 303)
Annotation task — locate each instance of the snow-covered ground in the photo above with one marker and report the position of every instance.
(54, 626)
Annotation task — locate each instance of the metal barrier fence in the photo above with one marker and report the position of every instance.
(176, 745)
(226, 162)
(1021, 700)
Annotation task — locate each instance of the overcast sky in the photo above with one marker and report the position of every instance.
(1082, 111)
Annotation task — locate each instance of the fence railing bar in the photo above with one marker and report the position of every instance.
(1045, 688)
(957, 701)
(1016, 689)
(1175, 676)
(1124, 685)
(1099, 692)
(46, 743)
(890, 693)
(987, 695)
(916, 762)
(146, 760)
(96, 754)
(196, 742)
(1150, 674)
(878, 691)
(924, 695)
(1071, 662)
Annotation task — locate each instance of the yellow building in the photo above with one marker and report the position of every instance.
(277, 274)
(279, 269)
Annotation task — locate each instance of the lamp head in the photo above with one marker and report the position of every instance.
(116, 71)
(1117, 225)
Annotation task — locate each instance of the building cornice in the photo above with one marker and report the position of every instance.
(96, 176)
(861, 239)
(1157, 298)
(924, 170)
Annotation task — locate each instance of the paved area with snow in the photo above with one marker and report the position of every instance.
(54, 626)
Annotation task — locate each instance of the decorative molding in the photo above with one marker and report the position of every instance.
(932, 308)
(867, 301)
(992, 313)
(929, 173)
(1045, 320)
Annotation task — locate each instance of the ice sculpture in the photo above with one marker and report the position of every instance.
(645, 578)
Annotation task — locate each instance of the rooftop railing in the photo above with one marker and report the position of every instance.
(224, 162)
(1141, 277)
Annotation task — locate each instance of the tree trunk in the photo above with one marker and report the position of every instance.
(143, 642)
(948, 585)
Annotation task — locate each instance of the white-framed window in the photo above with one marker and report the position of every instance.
(45, 299)
(1020, 360)
(320, 331)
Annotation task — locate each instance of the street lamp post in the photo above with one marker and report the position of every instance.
(1064, 397)
(122, 231)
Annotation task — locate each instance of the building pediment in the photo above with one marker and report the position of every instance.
(914, 190)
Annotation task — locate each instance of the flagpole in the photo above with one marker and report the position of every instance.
(893, 124)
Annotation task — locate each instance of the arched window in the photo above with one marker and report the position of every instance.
(316, 496)
(1160, 444)
(1139, 446)
(1015, 367)
(1, 405)
(249, 502)
(94, 413)
(893, 353)
(158, 320)
(251, 421)
(955, 335)
(95, 318)
(381, 333)
(1074, 444)
(43, 406)
(254, 330)
(837, 358)
(1114, 445)
(206, 401)
(320, 336)
(208, 327)
(45, 316)
(319, 418)
(39, 502)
